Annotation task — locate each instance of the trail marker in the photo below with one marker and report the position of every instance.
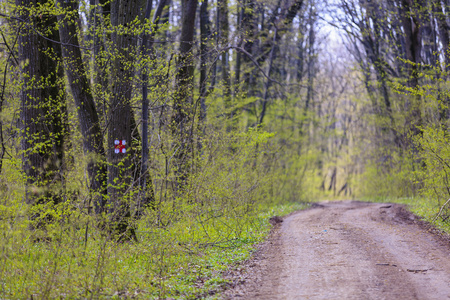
(119, 146)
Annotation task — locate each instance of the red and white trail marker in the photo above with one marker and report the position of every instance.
(119, 146)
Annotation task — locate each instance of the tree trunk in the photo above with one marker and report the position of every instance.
(183, 102)
(237, 77)
(205, 33)
(223, 32)
(267, 85)
(412, 39)
(411, 27)
(248, 36)
(301, 51)
(428, 32)
(310, 67)
(43, 109)
(148, 196)
(121, 147)
(443, 28)
(84, 101)
(311, 60)
(101, 12)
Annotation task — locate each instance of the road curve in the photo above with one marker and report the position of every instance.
(348, 250)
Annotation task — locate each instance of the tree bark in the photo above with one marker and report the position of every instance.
(443, 28)
(100, 78)
(411, 27)
(148, 197)
(267, 85)
(310, 66)
(237, 76)
(146, 183)
(311, 60)
(301, 51)
(183, 102)
(84, 101)
(248, 36)
(121, 165)
(412, 40)
(205, 34)
(223, 32)
(43, 109)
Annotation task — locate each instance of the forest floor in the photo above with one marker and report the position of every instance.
(347, 250)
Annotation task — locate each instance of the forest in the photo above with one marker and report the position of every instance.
(145, 144)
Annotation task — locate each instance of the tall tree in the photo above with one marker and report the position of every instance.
(100, 15)
(84, 101)
(443, 28)
(223, 28)
(411, 28)
(311, 58)
(182, 126)
(248, 39)
(121, 148)
(148, 53)
(205, 35)
(43, 108)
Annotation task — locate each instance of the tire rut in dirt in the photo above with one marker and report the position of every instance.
(348, 250)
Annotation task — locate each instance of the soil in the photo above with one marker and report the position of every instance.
(347, 250)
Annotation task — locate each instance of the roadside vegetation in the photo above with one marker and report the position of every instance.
(183, 260)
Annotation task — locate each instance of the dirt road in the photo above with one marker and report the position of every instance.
(348, 250)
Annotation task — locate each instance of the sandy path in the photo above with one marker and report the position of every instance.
(348, 250)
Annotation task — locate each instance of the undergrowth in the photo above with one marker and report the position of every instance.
(184, 244)
(166, 262)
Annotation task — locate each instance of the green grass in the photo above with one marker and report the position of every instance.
(185, 260)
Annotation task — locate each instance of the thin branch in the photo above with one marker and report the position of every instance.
(442, 208)
(11, 52)
(26, 22)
